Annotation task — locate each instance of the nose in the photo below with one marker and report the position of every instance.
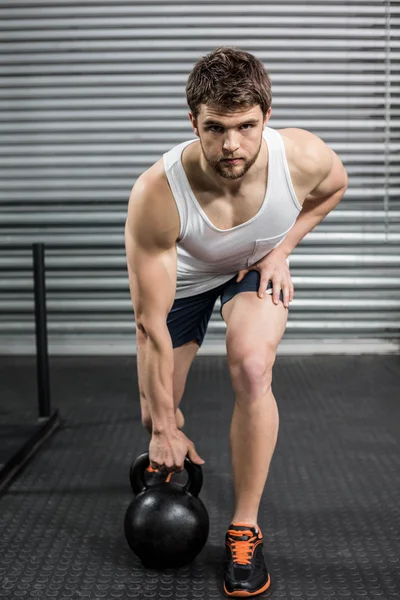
(231, 144)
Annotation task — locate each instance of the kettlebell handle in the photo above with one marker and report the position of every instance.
(138, 469)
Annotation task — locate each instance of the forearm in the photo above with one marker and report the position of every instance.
(156, 376)
(314, 211)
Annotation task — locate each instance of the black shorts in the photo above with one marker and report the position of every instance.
(189, 317)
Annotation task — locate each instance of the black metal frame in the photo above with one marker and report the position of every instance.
(48, 422)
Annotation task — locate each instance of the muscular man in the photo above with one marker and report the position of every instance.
(218, 217)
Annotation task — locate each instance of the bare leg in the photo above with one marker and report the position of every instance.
(254, 329)
(253, 436)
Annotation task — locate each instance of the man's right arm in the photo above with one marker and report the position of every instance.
(151, 232)
(150, 237)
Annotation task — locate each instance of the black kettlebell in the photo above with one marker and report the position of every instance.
(166, 524)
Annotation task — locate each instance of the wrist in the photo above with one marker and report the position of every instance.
(164, 429)
(282, 250)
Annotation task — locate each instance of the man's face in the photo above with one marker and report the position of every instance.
(231, 142)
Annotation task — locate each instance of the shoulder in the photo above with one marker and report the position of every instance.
(152, 181)
(152, 207)
(311, 158)
(309, 153)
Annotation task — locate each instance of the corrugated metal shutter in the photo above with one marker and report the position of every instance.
(91, 95)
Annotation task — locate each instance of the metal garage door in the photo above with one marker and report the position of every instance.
(92, 94)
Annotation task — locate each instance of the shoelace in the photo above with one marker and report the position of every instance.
(242, 550)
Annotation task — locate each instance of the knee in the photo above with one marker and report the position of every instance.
(251, 373)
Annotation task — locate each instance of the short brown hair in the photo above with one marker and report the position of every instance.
(228, 78)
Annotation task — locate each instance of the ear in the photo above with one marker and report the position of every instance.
(267, 116)
(194, 124)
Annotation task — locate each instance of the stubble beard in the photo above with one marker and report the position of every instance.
(228, 171)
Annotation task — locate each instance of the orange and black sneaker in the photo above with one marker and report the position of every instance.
(246, 573)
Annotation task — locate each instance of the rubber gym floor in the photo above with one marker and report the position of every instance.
(330, 512)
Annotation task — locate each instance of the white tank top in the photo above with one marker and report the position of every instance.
(208, 256)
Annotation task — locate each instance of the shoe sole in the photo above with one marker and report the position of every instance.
(244, 594)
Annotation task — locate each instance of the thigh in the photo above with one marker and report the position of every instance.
(183, 359)
(254, 325)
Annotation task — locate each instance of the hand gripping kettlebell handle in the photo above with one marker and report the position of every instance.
(138, 481)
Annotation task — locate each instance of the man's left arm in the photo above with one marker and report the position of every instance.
(321, 168)
(331, 185)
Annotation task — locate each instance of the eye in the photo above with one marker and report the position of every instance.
(247, 126)
(214, 128)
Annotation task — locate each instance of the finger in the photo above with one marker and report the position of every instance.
(241, 274)
(264, 280)
(291, 291)
(179, 465)
(162, 468)
(194, 457)
(276, 291)
(286, 294)
(169, 466)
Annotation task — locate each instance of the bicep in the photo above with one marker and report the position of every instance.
(151, 257)
(152, 281)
